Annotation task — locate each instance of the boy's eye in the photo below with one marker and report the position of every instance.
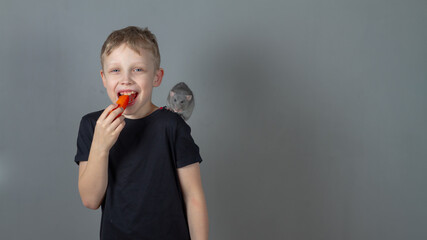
(138, 69)
(115, 70)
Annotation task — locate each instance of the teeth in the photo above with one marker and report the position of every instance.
(127, 93)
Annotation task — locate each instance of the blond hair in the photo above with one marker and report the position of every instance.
(136, 38)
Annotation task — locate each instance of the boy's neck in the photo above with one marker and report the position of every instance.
(150, 109)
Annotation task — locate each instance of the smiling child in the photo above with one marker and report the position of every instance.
(142, 167)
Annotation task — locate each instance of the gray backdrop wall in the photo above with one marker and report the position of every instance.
(310, 115)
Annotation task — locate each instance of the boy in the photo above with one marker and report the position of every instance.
(142, 167)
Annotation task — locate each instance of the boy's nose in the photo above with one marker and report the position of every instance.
(127, 80)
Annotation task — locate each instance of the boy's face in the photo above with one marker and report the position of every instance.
(127, 72)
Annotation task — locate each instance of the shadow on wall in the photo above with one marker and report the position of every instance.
(250, 86)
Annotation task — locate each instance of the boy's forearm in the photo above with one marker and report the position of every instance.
(197, 214)
(93, 181)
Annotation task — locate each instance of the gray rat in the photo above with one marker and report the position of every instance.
(181, 100)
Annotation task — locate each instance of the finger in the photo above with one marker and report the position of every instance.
(120, 127)
(107, 111)
(110, 118)
(116, 122)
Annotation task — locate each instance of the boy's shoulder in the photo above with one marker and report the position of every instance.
(167, 116)
(93, 115)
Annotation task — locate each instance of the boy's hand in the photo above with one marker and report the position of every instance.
(108, 128)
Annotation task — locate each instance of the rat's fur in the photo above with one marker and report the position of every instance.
(181, 100)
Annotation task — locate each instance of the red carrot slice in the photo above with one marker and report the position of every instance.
(122, 102)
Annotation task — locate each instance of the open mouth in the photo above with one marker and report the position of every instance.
(132, 96)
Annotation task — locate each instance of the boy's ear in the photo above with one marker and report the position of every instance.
(158, 78)
(103, 78)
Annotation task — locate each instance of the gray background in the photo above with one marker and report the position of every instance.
(310, 115)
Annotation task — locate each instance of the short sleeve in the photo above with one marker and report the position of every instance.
(187, 152)
(84, 140)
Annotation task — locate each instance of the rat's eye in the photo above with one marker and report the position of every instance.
(182, 101)
(174, 100)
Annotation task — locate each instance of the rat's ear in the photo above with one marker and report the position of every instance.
(189, 97)
(171, 93)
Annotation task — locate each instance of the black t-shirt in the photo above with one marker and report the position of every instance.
(143, 198)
